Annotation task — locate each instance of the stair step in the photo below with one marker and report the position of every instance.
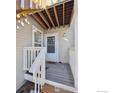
(26, 87)
(29, 77)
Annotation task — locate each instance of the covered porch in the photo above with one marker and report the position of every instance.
(48, 35)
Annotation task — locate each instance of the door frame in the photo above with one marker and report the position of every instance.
(56, 43)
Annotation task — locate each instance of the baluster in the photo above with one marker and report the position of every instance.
(38, 83)
(41, 77)
(25, 60)
(35, 84)
(27, 57)
(36, 53)
(31, 56)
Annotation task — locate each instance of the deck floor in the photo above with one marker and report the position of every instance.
(60, 73)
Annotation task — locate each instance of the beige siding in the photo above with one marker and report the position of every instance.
(23, 39)
(64, 43)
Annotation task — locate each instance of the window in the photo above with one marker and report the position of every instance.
(51, 44)
(37, 37)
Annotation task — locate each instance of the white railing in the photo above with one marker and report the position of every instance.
(38, 70)
(30, 54)
(72, 60)
(34, 62)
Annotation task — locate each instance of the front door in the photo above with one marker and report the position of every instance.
(51, 43)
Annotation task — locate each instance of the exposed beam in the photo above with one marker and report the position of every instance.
(40, 22)
(50, 18)
(63, 14)
(44, 19)
(55, 12)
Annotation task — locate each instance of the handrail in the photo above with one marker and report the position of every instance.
(38, 69)
(37, 61)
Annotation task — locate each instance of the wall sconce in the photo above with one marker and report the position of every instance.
(65, 37)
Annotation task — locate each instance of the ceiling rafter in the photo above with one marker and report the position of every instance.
(41, 23)
(55, 12)
(63, 13)
(50, 17)
(44, 19)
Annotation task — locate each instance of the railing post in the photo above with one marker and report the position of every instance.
(33, 64)
(38, 82)
(35, 89)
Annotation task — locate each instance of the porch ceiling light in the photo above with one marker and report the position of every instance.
(19, 21)
(17, 27)
(18, 16)
(22, 23)
(26, 20)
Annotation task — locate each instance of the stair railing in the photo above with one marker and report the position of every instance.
(30, 54)
(38, 70)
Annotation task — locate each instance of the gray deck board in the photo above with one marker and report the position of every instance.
(59, 72)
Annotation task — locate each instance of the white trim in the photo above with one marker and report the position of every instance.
(31, 4)
(61, 86)
(22, 4)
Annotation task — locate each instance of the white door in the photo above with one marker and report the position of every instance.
(51, 44)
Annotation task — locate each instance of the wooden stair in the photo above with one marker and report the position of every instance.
(26, 87)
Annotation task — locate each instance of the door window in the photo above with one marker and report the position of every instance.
(51, 44)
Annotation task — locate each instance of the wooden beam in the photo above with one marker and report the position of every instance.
(55, 12)
(44, 19)
(50, 17)
(63, 14)
(40, 22)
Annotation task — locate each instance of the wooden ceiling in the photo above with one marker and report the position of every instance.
(55, 16)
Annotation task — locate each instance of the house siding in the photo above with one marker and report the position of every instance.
(23, 39)
(64, 44)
